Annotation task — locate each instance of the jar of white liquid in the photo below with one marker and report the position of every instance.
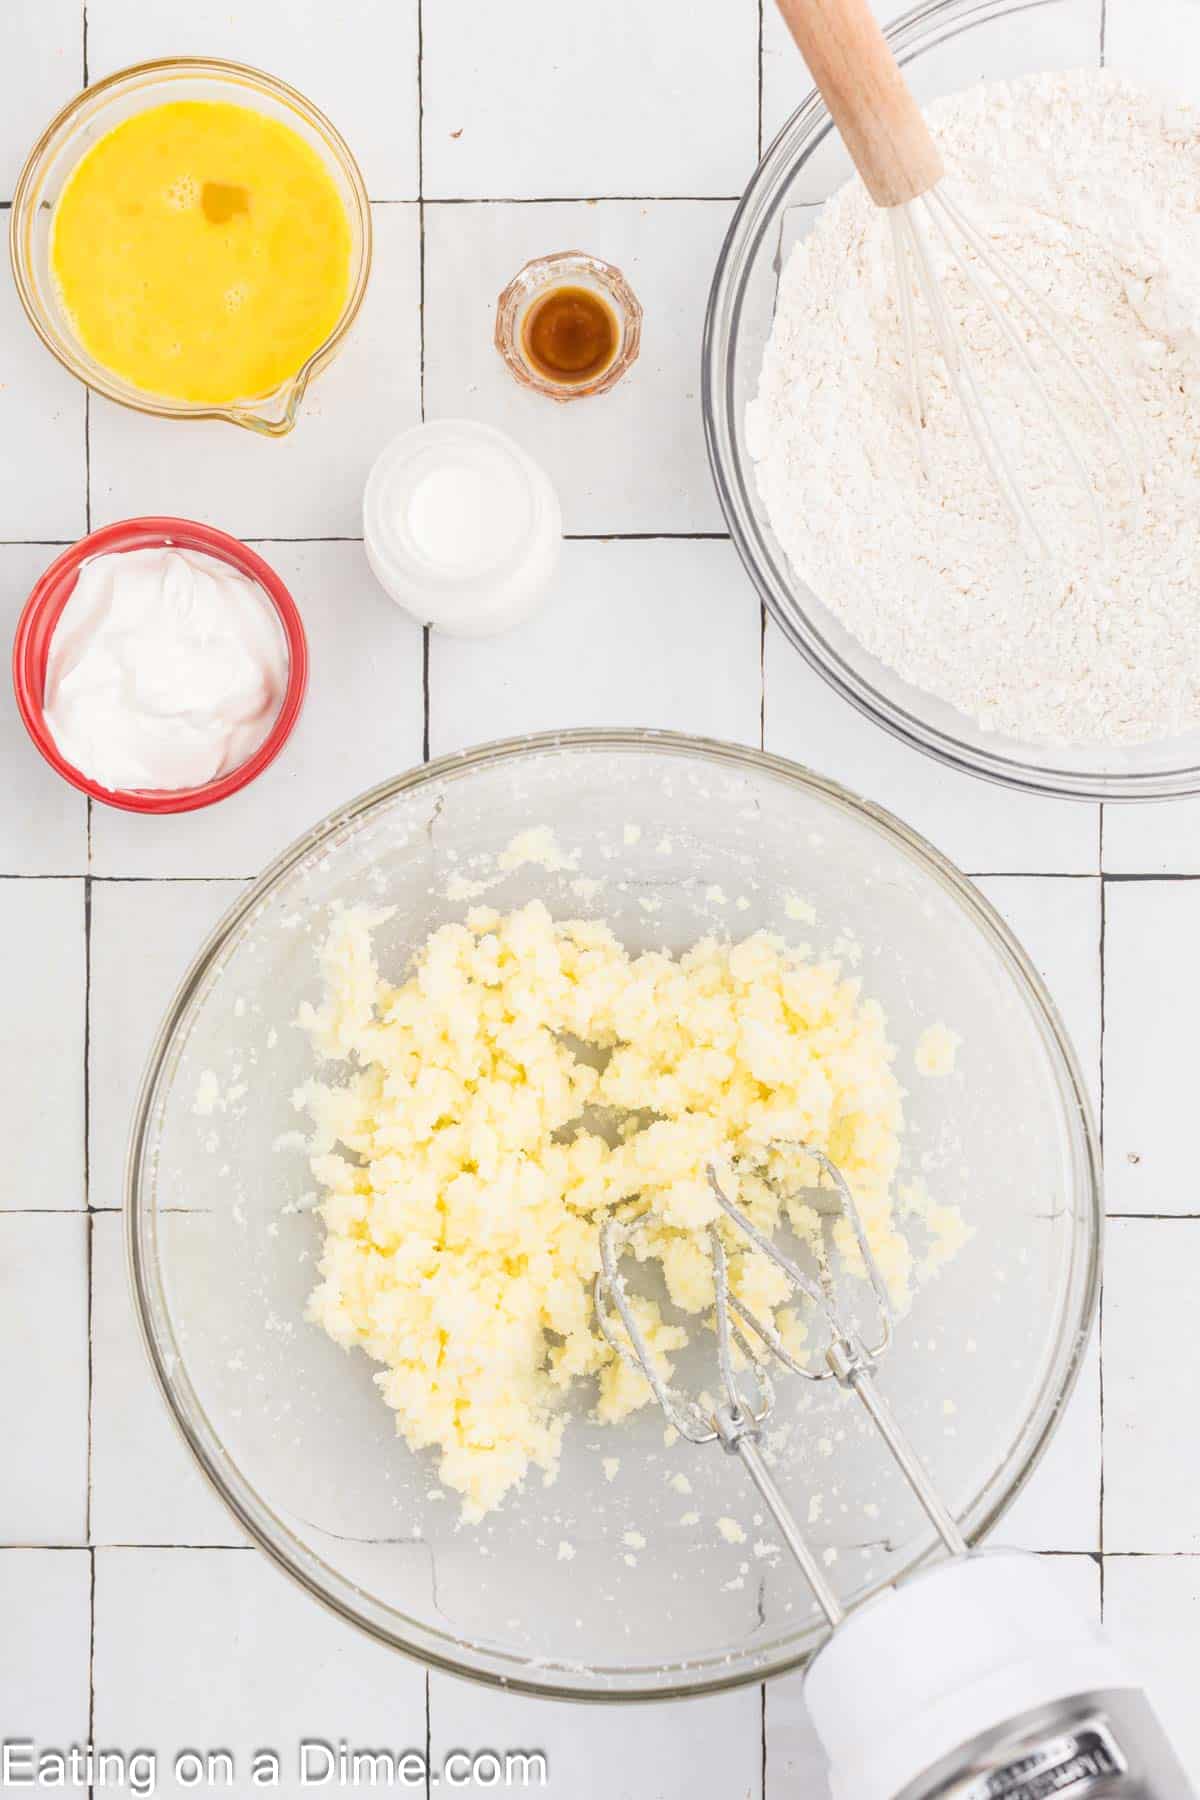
(461, 527)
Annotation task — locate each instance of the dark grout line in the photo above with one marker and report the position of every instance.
(55, 1549)
(428, 1734)
(762, 1686)
(1162, 1555)
(85, 876)
(970, 874)
(48, 543)
(1126, 879)
(222, 1549)
(58, 1546)
(86, 76)
(1160, 1218)
(87, 460)
(89, 1267)
(87, 1032)
(762, 675)
(91, 1737)
(645, 537)
(425, 646)
(1100, 1129)
(421, 195)
(570, 537)
(90, 1247)
(91, 1212)
(572, 199)
(421, 395)
(1103, 32)
(44, 1212)
(760, 79)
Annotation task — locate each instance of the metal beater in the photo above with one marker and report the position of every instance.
(902, 169)
(1001, 1693)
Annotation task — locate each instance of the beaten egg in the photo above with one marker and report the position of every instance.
(202, 251)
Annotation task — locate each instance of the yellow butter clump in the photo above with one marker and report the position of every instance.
(463, 1177)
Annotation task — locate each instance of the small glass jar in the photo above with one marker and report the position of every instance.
(567, 269)
(461, 527)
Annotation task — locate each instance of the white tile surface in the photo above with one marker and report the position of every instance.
(672, 1751)
(43, 1378)
(209, 1648)
(42, 479)
(1161, 839)
(370, 97)
(41, 1098)
(308, 484)
(53, 31)
(642, 633)
(44, 1664)
(1151, 1385)
(981, 827)
(43, 823)
(1152, 1607)
(1165, 56)
(796, 1766)
(629, 460)
(661, 633)
(144, 935)
(363, 720)
(146, 1489)
(1152, 973)
(532, 101)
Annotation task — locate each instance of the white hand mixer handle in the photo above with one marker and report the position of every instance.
(982, 1679)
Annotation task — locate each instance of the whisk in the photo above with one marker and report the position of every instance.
(902, 169)
(976, 1681)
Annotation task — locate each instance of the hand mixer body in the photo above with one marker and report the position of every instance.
(1094, 1746)
(1006, 1690)
(976, 1680)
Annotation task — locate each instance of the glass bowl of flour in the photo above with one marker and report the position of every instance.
(644, 1567)
(1074, 672)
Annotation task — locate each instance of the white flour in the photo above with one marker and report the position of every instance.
(1092, 188)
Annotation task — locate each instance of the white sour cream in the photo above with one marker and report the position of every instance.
(166, 670)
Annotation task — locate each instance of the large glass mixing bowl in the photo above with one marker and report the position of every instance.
(291, 1430)
(943, 46)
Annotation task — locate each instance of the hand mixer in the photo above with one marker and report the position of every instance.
(902, 169)
(975, 1680)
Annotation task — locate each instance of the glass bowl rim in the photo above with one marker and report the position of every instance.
(289, 393)
(436, 1648)
(923, 28)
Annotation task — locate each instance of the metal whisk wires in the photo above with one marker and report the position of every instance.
(737, 1419)
(933, 221)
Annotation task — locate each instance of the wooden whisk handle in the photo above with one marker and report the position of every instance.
(872, 106)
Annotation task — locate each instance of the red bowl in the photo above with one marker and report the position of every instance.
(35, 628)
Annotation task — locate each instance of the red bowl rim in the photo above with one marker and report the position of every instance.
(50, 594)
